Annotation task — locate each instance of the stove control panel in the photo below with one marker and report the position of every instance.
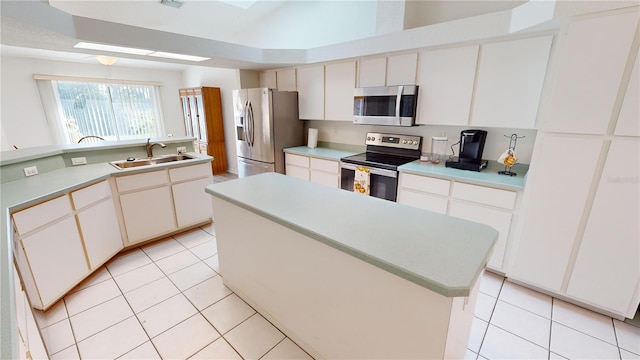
(410, 142)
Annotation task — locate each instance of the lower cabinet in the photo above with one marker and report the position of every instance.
(48, 250)
(192, 204)
(325, 172)
(147, 213)
(98, 223)
(424, 192)
(297, 166)
(30, 344)
(316, 170)
(497, 219)
(160, 202)
(485, 205)
(146, 204)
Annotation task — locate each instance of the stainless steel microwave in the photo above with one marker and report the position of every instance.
(385, 105)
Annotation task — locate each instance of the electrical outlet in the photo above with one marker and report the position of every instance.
(79, 161)
(182, 149)
(30, 171)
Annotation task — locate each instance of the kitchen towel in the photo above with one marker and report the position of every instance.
(313, 138)
(361, 181)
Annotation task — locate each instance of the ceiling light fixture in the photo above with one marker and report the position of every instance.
(111, 48)
(172, 3)
(106, 60)
(134, 51)
(178, 56)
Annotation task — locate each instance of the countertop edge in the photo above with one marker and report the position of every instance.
(493, 184)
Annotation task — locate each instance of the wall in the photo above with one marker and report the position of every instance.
(227, 80)
(347, 133)
(23, 120)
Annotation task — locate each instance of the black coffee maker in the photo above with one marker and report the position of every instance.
(470, 154)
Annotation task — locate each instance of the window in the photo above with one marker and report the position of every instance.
(113, 111)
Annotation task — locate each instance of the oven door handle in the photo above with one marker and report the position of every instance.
(375, 171)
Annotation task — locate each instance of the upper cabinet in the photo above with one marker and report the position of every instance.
(401, 69)
(583, 99)
(446, 79)
(310, 85)
(340, 81)
(509, 82)
(372, 72)
(628, 123)
(268, 79)
(388, 71)
(286, 80)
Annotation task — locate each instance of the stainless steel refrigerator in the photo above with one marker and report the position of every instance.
(266, 122)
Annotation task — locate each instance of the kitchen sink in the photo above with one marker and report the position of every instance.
(131, 162)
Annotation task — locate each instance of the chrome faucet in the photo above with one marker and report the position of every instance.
(150, 147)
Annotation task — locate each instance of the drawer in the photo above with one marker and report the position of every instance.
(141, 181)
(297, 160)
(325, 165)
(297, 172)
(425, 184)
(190, 172)
(38, 215)
(484, 195)
(91, 194)
(423, 201)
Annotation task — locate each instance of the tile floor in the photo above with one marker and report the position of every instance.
(166, 300)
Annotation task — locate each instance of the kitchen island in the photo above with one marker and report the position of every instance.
(350, 276)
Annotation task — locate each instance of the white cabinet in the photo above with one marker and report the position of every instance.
(192, 204)
(487, 206)
(297, 166)
(268, 79)
(591, 63)
(147, 205)
(30, 345)
(401, 69)
(424, 192)
(50, 252)
(372, 72)
(559, 185)
(509, 85)
(388, 71)
(606, 271)
(316, 170)
(340, 81)
(98, 223)
(446, 78)
(628, 123)
(286, 79)
(310, 85)
(325, 172)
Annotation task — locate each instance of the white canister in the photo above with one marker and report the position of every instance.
(312, 140)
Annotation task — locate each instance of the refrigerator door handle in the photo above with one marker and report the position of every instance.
(245, 122)
(251, 124)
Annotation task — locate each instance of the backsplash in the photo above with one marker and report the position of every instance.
(497, 138)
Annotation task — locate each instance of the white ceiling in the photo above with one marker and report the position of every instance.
(270, 33)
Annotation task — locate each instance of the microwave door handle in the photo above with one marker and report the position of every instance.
(398, 98)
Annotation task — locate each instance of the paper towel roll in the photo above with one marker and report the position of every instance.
(313, 138)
